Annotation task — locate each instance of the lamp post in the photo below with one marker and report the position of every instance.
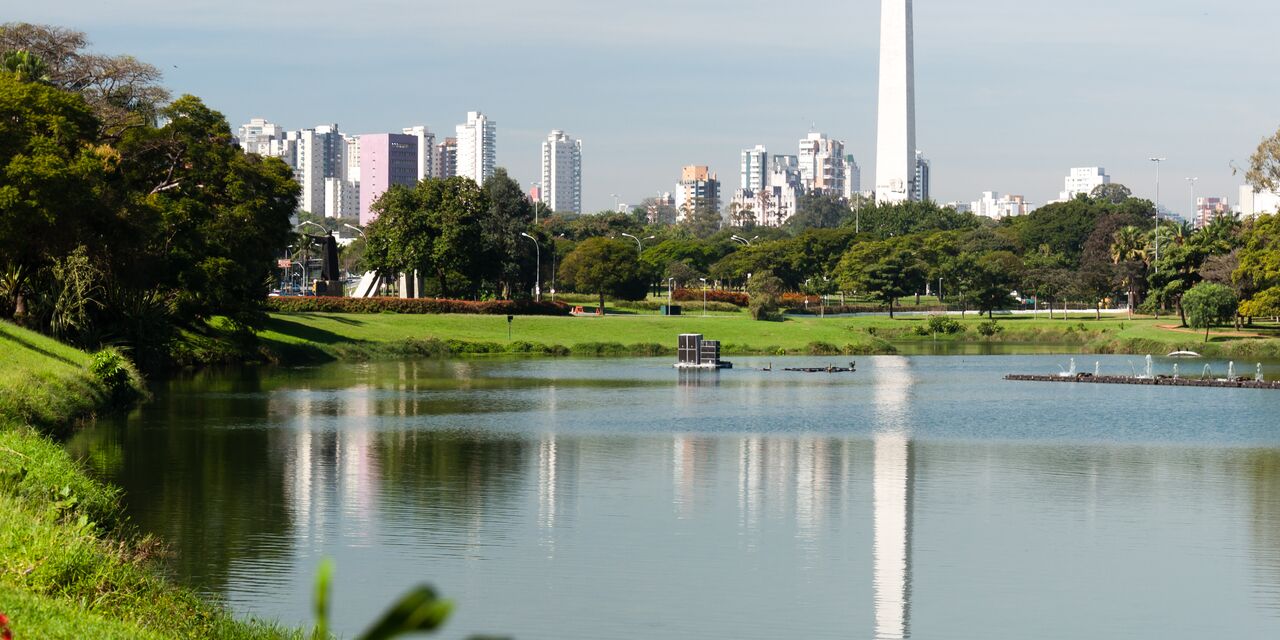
(671, 288)
(1157, 260)
(537, 277)
(554, 255)
(357, 230)
(1195, 213)
(639, 244)
(704, 296)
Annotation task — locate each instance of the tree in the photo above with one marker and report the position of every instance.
(1129, 254)
(605, 267)
(883, 270)
(512, 259)
(1112, 193)
(819, 210)
(1208, 303)
(1259, 267)
(702, 221)
(991, 283)
(26, 66)
(1263, 305)
(765, 290)
(1264, 166)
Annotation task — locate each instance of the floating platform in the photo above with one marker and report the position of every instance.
(849, 369)
(1157, 381)
(719, 364)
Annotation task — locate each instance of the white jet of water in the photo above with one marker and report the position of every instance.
(1097, 368)
(1150, 365)
(1231, 370)
(1258, 376)
(1175, 371)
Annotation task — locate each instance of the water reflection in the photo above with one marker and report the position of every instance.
(545, 506)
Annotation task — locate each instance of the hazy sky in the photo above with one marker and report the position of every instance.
(1010, 93)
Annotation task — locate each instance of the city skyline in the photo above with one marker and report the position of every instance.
(1093, 84)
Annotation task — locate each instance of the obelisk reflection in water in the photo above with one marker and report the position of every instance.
(893, 486)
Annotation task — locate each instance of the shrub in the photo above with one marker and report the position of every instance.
(713, 295)
(119, 379)
(990, 328)
(416, 306)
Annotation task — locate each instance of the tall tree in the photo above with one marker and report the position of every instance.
(512, 258)
(605, 267)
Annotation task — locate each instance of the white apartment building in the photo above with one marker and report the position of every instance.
(1256, 203)
(852, 177)
(755, 169)
(822, 163)
(993, 205)
(321, 154)
(426, 151)
(353, 158)
(260, 137)
(561, 173)
(698, 187)
(1083, 180)
(342, 198)
(477, 147)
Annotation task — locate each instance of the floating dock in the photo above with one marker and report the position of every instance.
(1156, 381)
(849, 369)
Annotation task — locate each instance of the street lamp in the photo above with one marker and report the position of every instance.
(357, 230)
(537, 278)
(1195, 213)
(1157, 161)
(639, 244)
(306, 253)
(671, 286)
(744, 241)
(704, 296)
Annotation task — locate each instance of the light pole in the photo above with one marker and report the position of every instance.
(554, 255)
(745, 242)
(671, 287)
(704, 296)
(536, 202)
(639, 244)
(357, 230)
(1157, 260)
(1195, 213)
(537, 278)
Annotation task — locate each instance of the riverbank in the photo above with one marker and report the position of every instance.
(69, 566)
(302, 338)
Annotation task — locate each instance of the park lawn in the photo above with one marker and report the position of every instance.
(349, 335)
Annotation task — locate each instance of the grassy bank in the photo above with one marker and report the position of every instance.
(316, 337)
(68, 566)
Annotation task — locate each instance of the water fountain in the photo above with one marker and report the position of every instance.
(1097, 368)
(1258, 376)
(1231, 370)
(1069, 373)
(1208, 373)
(1175, 371)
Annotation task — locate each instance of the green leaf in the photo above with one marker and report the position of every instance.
(418, 610)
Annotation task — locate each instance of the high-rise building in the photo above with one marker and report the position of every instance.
(426, 150)
(1256, 203)
(755, 169)
(993, 205)
(1210, 209)
(896, 131)
(1083, 180)
(920, 186)
(698, 188)
(822, 164)
(477, 147)
(852, 177)
(385, 159)
(562, 173)
(353, 159)
(342, 198)
(321, 154)
(447, 158)
(260, 137)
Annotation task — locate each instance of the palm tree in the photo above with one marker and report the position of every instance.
(28, 66)
(1129, 245)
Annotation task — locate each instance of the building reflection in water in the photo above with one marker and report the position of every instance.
(893, 486)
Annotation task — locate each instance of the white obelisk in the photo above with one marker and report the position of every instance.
(896, 133)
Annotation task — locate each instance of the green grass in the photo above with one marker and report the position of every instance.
(68, 566)
(313, 336)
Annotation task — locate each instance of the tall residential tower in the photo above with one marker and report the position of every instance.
(477, 147)
(562, 173)
(896, 133)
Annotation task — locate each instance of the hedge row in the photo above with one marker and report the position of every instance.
(416, 306)
(713, 295)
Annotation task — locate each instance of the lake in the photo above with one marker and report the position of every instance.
(920, 497)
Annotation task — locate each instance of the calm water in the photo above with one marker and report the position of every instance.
(921, 497)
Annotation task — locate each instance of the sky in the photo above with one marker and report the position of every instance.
(1010, 93)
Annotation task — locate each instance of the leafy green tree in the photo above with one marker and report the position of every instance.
(819, 211)
(512, 258)
(883, 270)
(1263, 305)
(703, 221)
(1129, 253)
(883, 221)
(1208, 303)
(26, 66)
(1264, 165)
(1047, 277)
(1111, 193)
(991, 283)
(605, 267)
(50, 176)
(1259, 267)
(765, 290)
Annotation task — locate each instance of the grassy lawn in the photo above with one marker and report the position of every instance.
(67, 570)
(337, 333)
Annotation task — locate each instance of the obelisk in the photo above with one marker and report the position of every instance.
(896, 132)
